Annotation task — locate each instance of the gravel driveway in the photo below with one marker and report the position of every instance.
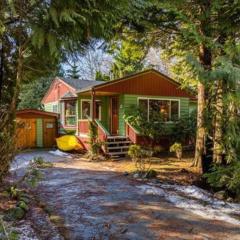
(96, 202)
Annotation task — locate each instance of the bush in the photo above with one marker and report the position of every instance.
(177, 148)
(155, 128)
(141, 158)
(225, 177)
(95, 144)
(185, 129)
(39, 162)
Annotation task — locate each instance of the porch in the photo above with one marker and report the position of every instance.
(106, 111)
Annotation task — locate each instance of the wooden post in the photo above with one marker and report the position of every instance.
(93, 105)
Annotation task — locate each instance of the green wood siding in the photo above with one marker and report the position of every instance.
(127, 100)
(50, 106)
(105, 112)
(192, 106)
(39, 130)
(123, 104)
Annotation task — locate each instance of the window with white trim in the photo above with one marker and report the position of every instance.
(168, 110)
(55, 108)
(70, 113)
(86, 109)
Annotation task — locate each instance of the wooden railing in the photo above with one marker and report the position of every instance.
(132, 133)
(83, 129)
(83, 126)
(102, 131)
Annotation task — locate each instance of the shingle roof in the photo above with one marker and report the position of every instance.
(79, 83)
(69, 95)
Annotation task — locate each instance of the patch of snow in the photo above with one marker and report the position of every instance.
(195, 200)
(21, 161)
(60, 153)
(15, 166)
(25, 231)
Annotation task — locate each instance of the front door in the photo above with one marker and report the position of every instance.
(114, 115)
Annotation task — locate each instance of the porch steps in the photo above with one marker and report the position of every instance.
(117, 146)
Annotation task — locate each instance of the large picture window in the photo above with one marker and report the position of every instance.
(70, 113)
(86, 109)
(154, 109)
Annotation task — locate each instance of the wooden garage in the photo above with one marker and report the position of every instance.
(35, 128)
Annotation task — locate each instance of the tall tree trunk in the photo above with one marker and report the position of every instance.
(218, 124)
(18, 79)
(201, 132)
(205, 57)
(7, 117)
(1, 68)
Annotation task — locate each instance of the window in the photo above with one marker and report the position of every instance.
(70, 113)
(86, 109)
(55, 108)
(98, 110)
(154, 109)
(174, 110)
(159, 109)
(143, 105)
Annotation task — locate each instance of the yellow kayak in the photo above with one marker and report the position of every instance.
(68, 143)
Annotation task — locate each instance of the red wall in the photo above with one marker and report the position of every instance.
(148, 83)
(57, 90)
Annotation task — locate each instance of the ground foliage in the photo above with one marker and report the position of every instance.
(226, 177)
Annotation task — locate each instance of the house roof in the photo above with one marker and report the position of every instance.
(73, 84)
(36, 112)
(103, 85)
(80, 83)
(69, 95)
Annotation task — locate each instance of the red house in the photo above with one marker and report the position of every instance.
(61, 98)
(105, 103)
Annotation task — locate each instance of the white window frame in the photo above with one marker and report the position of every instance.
(163, 99)
(55, 106)
(89, 100)
(64, 115)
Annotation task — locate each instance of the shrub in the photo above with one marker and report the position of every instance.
(40, 163)
(95, 144)
(155, 128)
(157, 149)
(141, 158)
(185, 129)
(225, 177)
(177, 148)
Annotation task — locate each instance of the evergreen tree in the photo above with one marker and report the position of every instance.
(73, 72)
(101, 76)
(32, 93)
(129, 55)
(34, 37)
(204, 33)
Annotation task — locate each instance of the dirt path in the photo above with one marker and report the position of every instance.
(92, 201)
